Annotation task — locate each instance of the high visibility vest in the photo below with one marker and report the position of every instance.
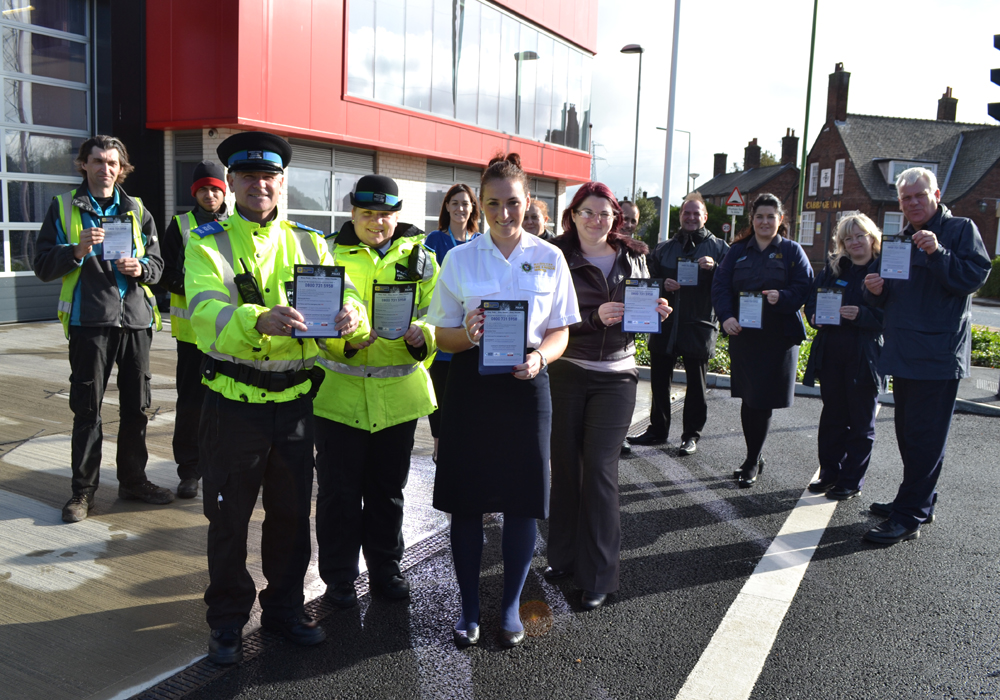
(72, 226)
(180, 317)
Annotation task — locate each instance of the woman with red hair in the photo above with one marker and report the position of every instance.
(593, 396)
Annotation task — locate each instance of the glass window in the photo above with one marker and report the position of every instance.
(183, 177)
(38, 54)
(893, 224)
(361, 49)
(390, 23)
(543, 91)
(489, 68)
(64, 15)
(574, 98)
(29, 201)
(44, 105)
(560, 80)
(22, 250)
(526, 83)
(509, 65)
(419, 54)
(28, 152)
(585, 106)
(467, 101)
(320, 197)
(444, 63)
(813, 179)
(345, 183)
(807, 225)
(309, 189)
(435, 198)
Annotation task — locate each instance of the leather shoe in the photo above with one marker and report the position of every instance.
(626, 447)
(891, 532)
(466, 638)
(77, 508)
(342, 595)
(749, 473)
(299, 629)
(884, 510)
(188, 488)
(509, 640)
(592, 601)
(820, 486)
(552, 574)
(395, 587)
(146, 491)
(648, 437)
(842, 493)
(225, 647)
(688, 447)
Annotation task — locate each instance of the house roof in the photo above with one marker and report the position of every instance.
(747, 180)
(870, 139)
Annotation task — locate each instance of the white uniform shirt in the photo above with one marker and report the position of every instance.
(535, 272)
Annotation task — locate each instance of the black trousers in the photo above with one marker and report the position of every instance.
(923, 412)
(190, 396)
(847, 423)
(244, 446)
(661, 370)
(439, 378)
(92, 354)
(359, 507)
(591, 413)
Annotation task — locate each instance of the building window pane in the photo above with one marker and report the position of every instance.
(489, 68)
(37, 54)
(584, 106)
(40, 153)
(893, 224)
(345, 183)
(467, 104)
(361, 49)
(509, 37)
(838, 177)
(29, 201)
(44, 105)
(390, 22)
(574, 99)
(560, 79)
(309, 189)
(813, 179)
(435, 198)
(445, 60)
(543, 92)
(64, 15)
(528, 46)
(806, 227)
(22, 250)
(419, 51)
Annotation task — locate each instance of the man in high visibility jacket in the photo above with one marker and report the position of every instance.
(257, 425)
(373, 394)
(108, 314)
(208, 188)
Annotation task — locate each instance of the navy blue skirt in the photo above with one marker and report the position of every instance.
(493, 455)
(762, 368)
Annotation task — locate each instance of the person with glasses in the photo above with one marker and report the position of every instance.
(928, 342)
(844, 357)
(537, 219)
(774, 272)
(494, 455)
(458, 223)
(593, 396)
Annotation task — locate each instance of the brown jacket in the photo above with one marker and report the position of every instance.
(591, 339)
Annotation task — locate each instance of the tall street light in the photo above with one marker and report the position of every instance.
(663, 128)
(518, 57)
(635, 48)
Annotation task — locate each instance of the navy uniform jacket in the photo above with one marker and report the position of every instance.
(782, 265)
(928, 322)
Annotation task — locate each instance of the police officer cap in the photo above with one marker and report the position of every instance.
(255, 151)
(376, 193)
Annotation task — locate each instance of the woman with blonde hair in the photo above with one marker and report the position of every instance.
(844, 357)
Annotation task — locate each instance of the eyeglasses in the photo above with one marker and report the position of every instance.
(587, 215)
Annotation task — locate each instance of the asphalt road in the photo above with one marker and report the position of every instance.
(917, 620)
(986, 315)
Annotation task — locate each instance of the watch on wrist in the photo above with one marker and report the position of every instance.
(545, 361)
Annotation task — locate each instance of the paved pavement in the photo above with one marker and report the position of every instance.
(986, 312)
(725, 593)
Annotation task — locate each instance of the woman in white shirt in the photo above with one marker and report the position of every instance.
(500, 462)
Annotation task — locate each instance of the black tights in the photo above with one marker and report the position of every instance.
(756, 423)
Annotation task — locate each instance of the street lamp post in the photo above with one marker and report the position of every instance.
(694, 178)
(663, 128)
(635, 48)
(518, 57)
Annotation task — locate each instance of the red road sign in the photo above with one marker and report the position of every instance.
(735, 199)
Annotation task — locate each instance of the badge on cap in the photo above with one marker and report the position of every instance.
(378, 197)
(255, 155)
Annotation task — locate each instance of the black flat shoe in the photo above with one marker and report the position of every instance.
(688, 447)
(842, 494)
(592, 601)
(648, 437)
(820, 486)
(749, 473)
(509, 640)
(225, 647)
(466, 638)
(884, 510)
(552, 574)
(626, 447)
(395, 588)
(342, 595)
(891, 532)
(298, 629)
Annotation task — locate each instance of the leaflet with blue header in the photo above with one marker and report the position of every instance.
(117, 237)
(392, 309)
(895, 258)
(687, 272)
(319, 297)
(505, 334)
(751, 310)
(828, 301)
(641, 295)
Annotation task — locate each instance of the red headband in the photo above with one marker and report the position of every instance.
(207, 181)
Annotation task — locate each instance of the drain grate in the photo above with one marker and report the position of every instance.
(988, 385)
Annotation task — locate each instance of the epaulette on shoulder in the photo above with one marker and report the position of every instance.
(209, 229)
(307, 228)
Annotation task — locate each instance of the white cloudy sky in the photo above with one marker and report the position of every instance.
(742, 72)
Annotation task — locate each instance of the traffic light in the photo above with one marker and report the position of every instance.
(994, 107)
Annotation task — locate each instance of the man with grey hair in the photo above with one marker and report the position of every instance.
(928, 344)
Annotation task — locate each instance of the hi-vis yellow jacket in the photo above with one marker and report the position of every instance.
(384, 384)
(225, 326)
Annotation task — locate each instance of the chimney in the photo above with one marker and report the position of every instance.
(789, 147)
(720, 164)
(836, 96)
(947, 107)
(751, 155)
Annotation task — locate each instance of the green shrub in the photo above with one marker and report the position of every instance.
(991, 289)
(985, 344)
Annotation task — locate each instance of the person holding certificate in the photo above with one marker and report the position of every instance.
(494, 450)
(458, 223)
(757, 292)
(844, 357)
(593, 394)
(374, 392)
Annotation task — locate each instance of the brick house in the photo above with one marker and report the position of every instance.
(781, 180)
(854, 161)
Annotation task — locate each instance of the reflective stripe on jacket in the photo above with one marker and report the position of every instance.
(180, 321)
